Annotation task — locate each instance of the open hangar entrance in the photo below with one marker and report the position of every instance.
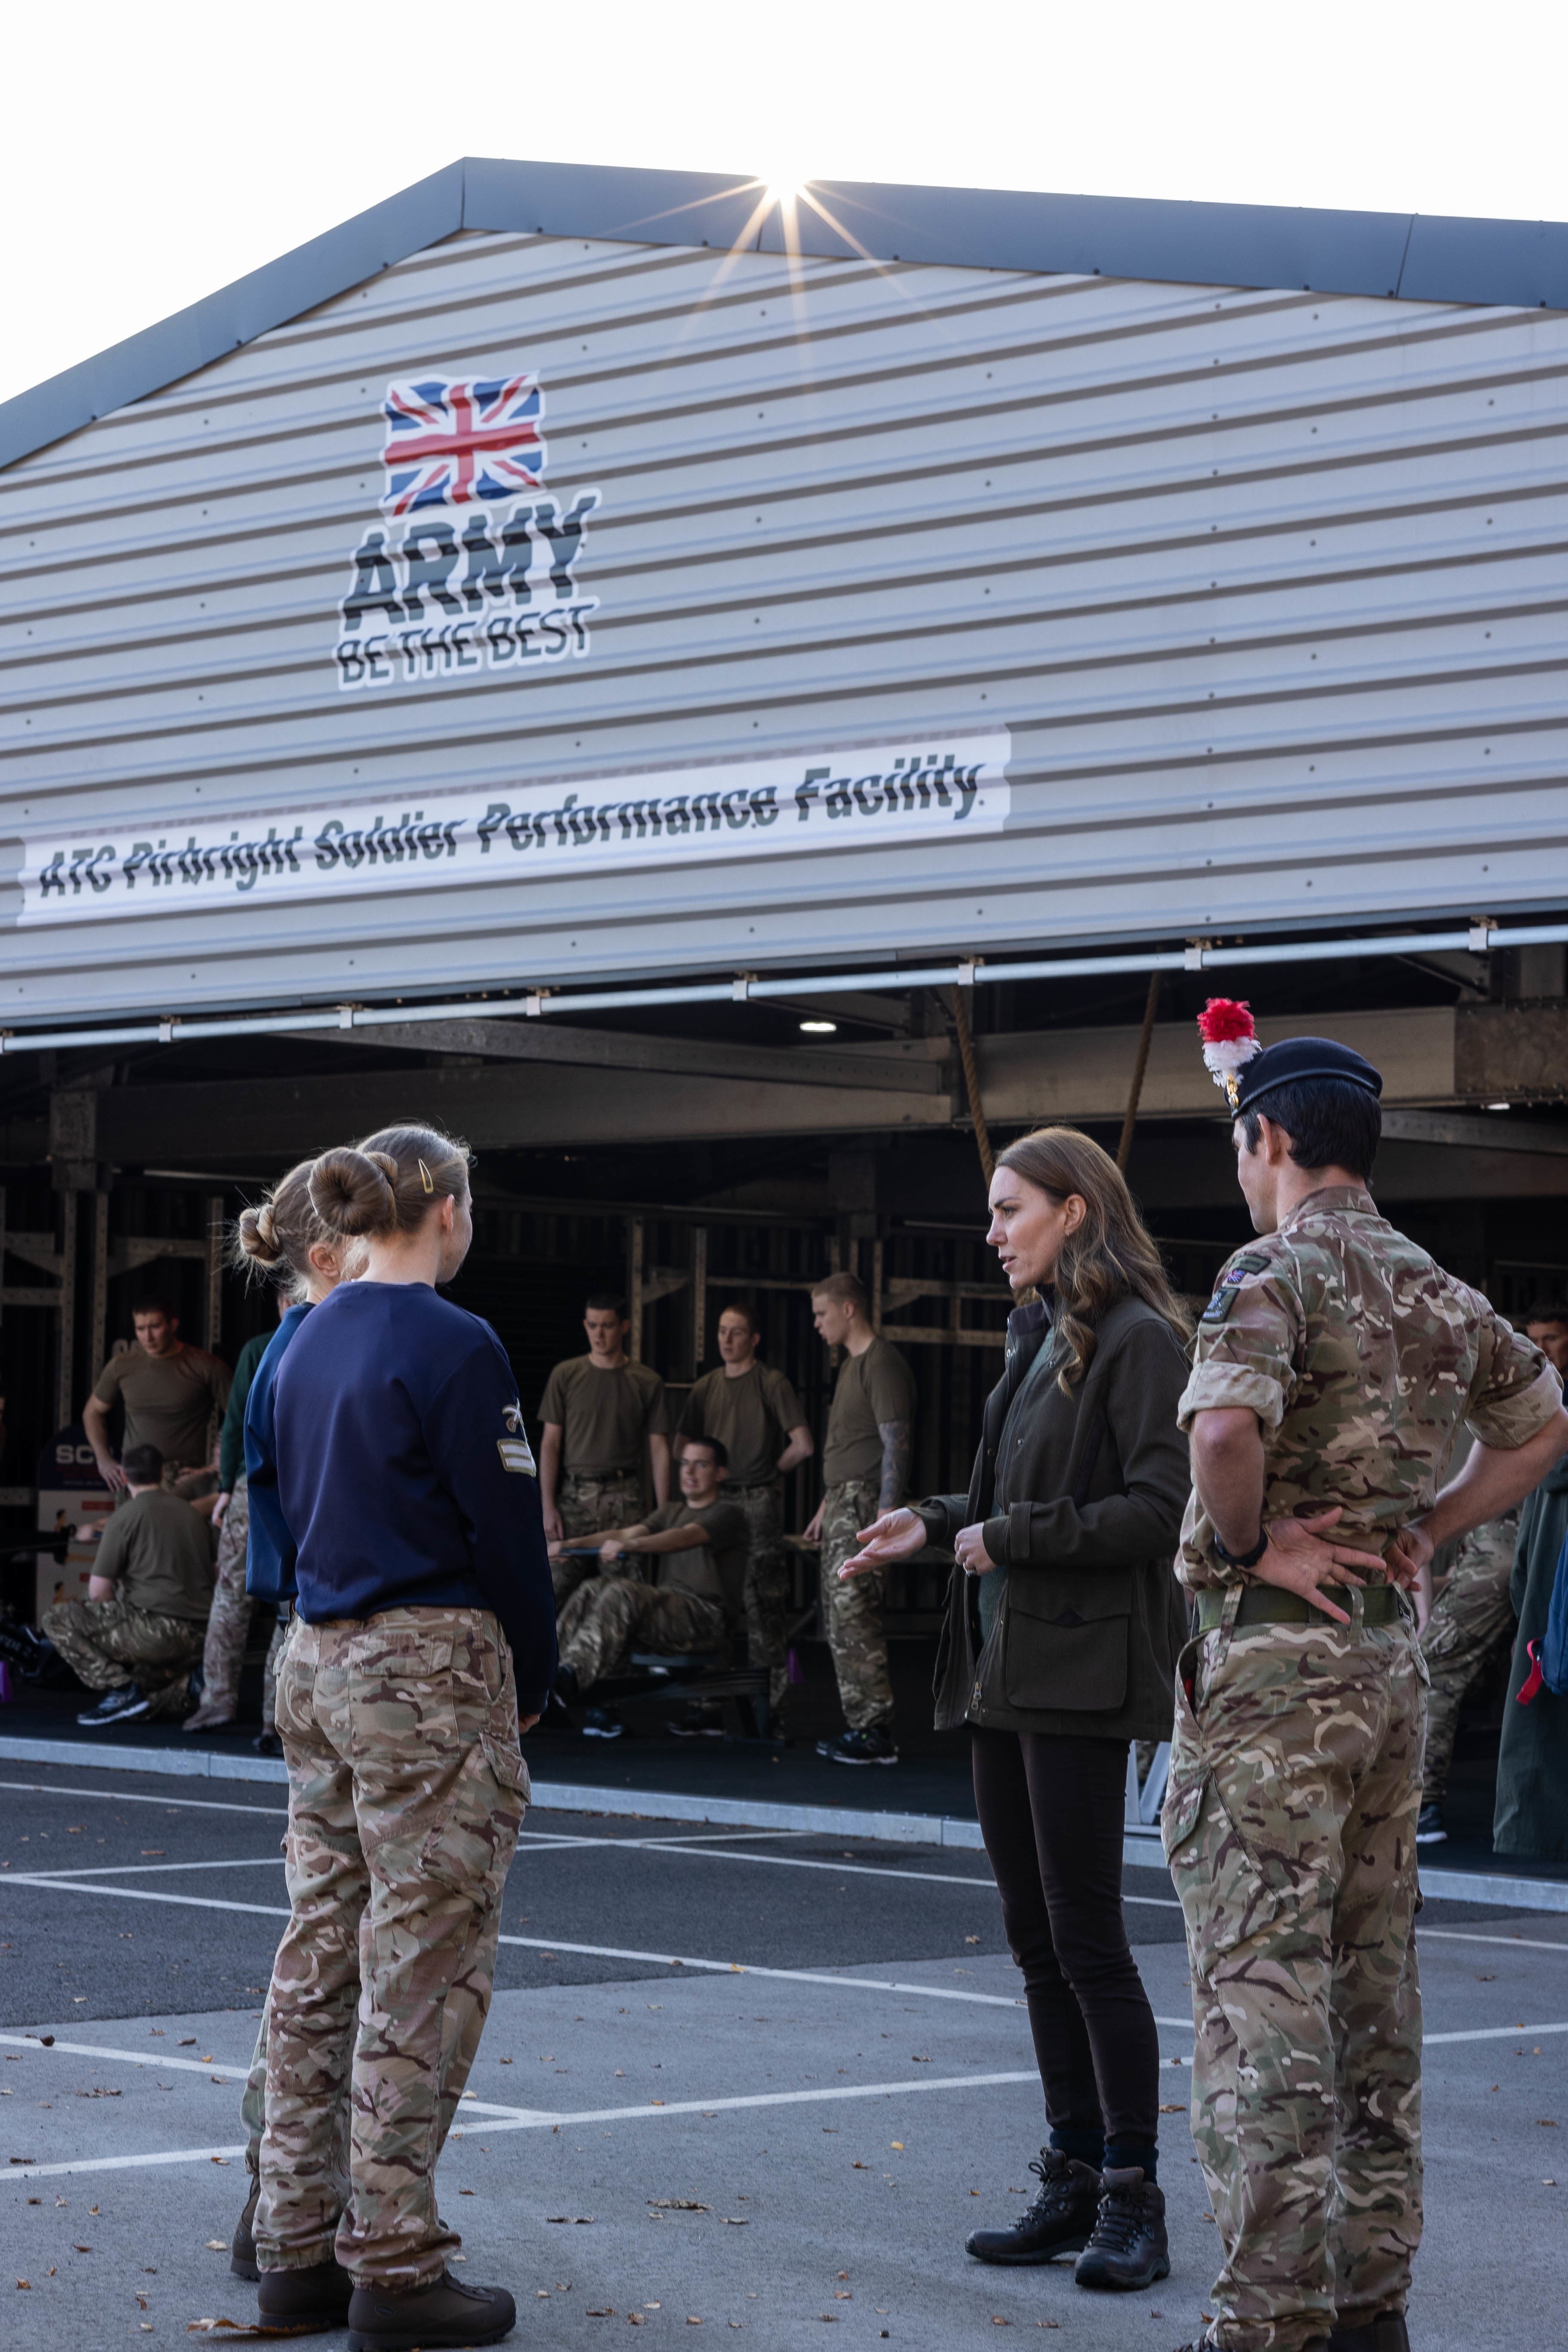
(690, 1156)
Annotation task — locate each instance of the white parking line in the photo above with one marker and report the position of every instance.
(1509, 1943)
(140, 1870)
(143, 1895)
(123, 1797)
(525, 2121)
(1492, 2033)
(121, 2057)
(501, 2119)
(128, 2163)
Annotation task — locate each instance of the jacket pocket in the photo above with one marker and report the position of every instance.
(1068, 1637)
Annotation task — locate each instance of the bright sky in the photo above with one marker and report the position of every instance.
(154, 152)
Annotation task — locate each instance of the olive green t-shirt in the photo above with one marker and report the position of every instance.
(872, 1388)
(169, 1400)
(605, 1416)
(159, 1552)
(751, 1417)
(714, 1567)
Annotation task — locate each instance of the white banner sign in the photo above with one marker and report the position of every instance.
(832, 800)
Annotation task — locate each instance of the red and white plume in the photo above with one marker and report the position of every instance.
(1230, 1040)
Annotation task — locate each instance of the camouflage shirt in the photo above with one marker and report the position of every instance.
(1361, 1359)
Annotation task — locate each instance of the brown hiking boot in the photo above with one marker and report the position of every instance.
(423, 2318)
(1383, 2332)
(242, 2245)
(316, 2297)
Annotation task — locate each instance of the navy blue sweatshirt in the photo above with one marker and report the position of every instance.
(404, 1472)
(268, 1545)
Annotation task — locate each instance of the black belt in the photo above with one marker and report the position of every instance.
(1264, 1604)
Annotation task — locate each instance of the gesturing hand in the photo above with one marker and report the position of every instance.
(895, 1536)
(1299, 1560)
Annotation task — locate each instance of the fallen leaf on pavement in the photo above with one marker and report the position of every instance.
(218, 2245)
(678, 2205)
(552, 2217)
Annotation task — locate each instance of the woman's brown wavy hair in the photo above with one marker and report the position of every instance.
(1112, 1255)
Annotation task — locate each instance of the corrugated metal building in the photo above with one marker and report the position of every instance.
(1242, 597)
(528, 648)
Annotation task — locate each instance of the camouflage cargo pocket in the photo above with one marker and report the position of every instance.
(1225, 1893)
(471, 1845)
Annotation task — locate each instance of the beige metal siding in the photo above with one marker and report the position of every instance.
(1267, 586)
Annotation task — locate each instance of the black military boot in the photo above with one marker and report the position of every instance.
(1127, 2246)
(242, 2245)
(421, 2318)
(1383, 2332)
(1057, 2222)
(317, 2297)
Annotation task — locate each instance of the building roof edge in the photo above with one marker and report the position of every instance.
(1408, 256)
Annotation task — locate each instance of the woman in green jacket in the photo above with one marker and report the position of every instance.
(1064, 1624)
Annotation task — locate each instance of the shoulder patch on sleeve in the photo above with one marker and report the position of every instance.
(516, 1455)
(1222, 1302)
(1250, 1262)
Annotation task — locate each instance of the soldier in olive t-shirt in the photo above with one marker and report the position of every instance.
(757, 1417)
(692, 1602)
(602, 1413)
(139, 1632)
(169, 1400)
(865, 1470)
(751, 1417)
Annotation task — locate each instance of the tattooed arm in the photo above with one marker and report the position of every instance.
(895, 1437)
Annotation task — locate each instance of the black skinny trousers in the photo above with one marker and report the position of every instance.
(1051, 1814)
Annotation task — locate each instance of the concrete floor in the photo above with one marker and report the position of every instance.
(797, 2133)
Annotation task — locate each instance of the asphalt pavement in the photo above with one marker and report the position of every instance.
(756, 2083)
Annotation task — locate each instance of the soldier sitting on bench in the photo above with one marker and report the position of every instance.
(696, 1551)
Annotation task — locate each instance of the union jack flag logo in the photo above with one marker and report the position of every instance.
(448, 444)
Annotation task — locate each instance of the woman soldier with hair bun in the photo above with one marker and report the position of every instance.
(425, 1614)
(284, 1242)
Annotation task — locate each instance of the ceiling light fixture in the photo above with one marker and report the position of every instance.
(820, 1028)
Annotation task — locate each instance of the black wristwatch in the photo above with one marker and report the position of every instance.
(1241, 1559)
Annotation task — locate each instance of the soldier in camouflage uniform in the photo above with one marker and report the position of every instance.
(603, 1417)
(696, 1550)
(852, 1612)
(414, 1702)
(866, 1470)
(1332, 1367)
(589, 1507)
(102, 1642)
(424, 1608)
(140, 1630)
(1469, 1630)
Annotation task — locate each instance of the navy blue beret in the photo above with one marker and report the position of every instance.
(1298, 1058)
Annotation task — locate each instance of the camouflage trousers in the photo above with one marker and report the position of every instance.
(852, 1612)
(1471, 1627)
(107, 1643)
(604, 1621)
(590, 1503)
(1290, 1823)
(274, 1661)
(229, 1627)
(407, 1791)
(767, 1584)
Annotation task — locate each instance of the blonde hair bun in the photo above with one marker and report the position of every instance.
(258, 1235)
(353, 1192)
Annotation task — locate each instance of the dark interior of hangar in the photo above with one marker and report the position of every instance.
(692, 1155)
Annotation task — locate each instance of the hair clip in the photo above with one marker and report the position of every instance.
(425, 1178)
